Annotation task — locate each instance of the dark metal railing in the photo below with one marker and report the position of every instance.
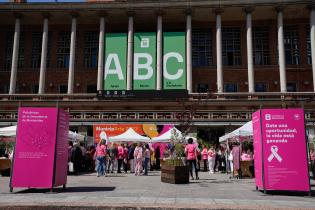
(306, 96)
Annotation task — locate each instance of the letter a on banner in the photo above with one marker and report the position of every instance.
(115, 61)
(174, 60)
(144, 64)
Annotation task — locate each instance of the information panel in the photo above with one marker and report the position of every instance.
(61, 152)
(115, 61)
(174, 60)
(283, 152)
(41, 135)
(257, 149)
(144, 64)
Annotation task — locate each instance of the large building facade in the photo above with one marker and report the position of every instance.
(240, 56)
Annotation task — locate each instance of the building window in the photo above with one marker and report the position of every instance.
(63, 51)
(91, 89)
(36, 49)
(202, 88)
(260, 87)
(4, 88)
(9, 50)
(292, 45)
(308, 42)
(63, 89)
(35, 89)
(291, 87)
(90, 49)
(230, 87)
(37, 38)
(231, 46)
(18, 88)
(202, 48)
(261, 46)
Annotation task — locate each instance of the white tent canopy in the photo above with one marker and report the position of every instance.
(11, 132)
(167, 136)
(245, 130)
(129, 136)
(73, 136)
(8, 131)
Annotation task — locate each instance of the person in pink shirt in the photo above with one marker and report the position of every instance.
(191, 154)
(312, 158)
(138, 155)
(100, 158)
(246, 156)
(204, 154)
(120, 157)
(211, 159)
(147, 154)
(125, 156)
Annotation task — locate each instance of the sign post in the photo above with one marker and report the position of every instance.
(280, 150)
(40, 157)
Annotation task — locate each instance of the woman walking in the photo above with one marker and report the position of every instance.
(100, 158)
(146, 159)
(138, 155)
(204, 154)
(191, 154)
(211, 159)
(120, 157)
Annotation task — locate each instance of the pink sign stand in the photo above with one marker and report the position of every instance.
(280, 150)
(40, 157)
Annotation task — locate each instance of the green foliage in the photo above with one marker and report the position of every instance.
(177, 150)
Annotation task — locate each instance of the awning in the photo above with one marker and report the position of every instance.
(244, 131)
(167, 136)
(11, 132)
(129, 136)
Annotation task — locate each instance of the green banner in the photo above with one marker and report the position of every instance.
(174, 60)
(115, 61)
(144, 62)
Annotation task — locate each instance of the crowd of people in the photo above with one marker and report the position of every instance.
(219, 159)
(121, 158)
(137, 158)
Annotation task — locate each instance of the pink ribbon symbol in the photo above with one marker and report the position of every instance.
(274, 154)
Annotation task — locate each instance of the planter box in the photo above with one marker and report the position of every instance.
(174, 174)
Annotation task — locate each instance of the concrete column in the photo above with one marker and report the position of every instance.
(219, 51)
(101, 47)
(42, 75)
(188, 52)
(72, 54)
(15, 55)
(250, 65)
(283, 80)
(159, 53)
(130, 52)
(312, 36)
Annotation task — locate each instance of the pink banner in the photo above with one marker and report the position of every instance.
(61, 167)
(34, 157)
(257, 149)
(284, 149)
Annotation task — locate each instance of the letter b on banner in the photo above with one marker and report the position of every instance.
(144, 62)
(174, 61)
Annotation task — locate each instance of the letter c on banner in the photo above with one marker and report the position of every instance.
(179, 71)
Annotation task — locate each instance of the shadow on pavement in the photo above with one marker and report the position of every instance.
(290, 193)
(68, 190)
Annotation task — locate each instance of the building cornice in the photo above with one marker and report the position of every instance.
(163, 4)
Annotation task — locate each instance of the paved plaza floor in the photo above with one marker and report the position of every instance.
(127, 191)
